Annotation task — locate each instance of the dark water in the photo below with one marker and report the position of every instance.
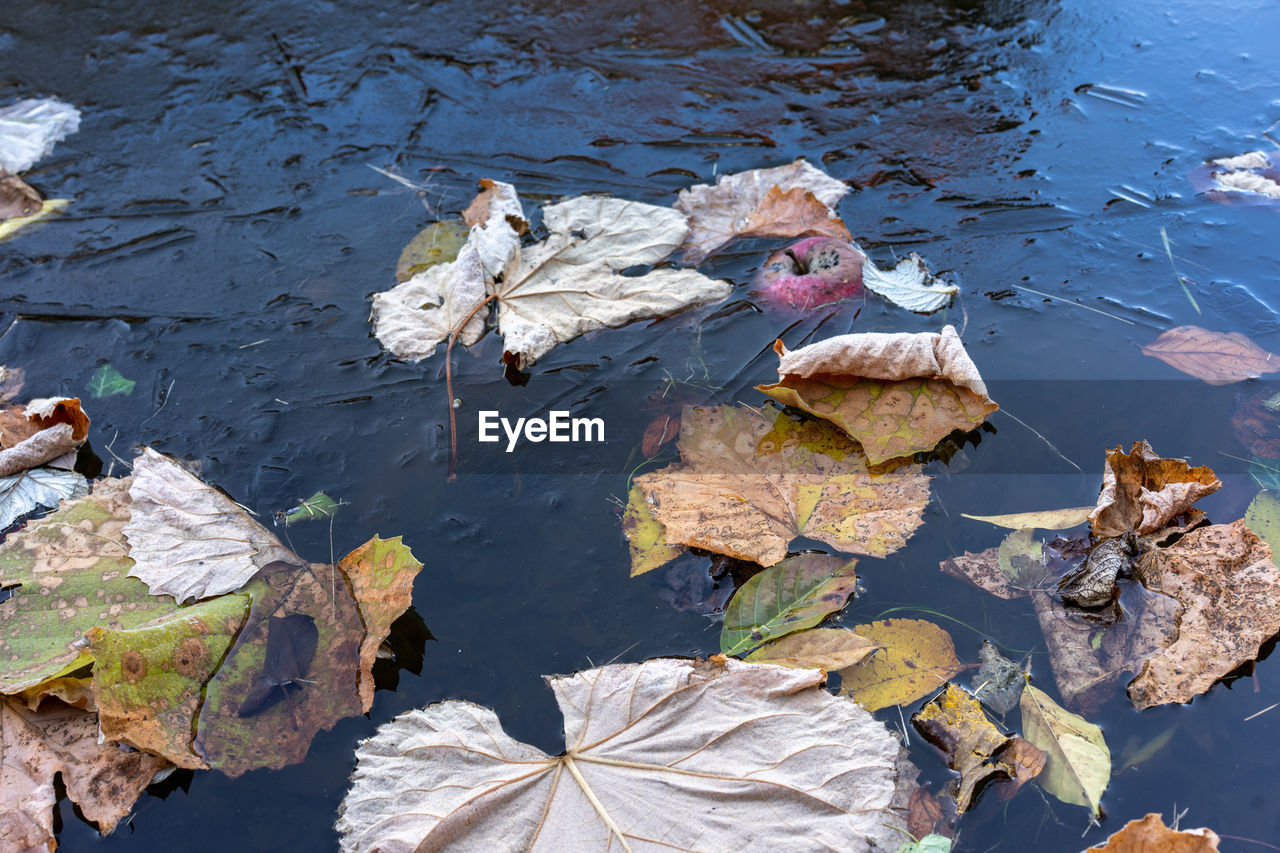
(226, 233)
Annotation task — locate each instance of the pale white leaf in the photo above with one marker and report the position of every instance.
(909, 285)
(27, 491)
(665, 755)
(189, 540)
(29, 129)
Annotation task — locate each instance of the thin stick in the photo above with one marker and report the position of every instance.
(1069, 302)
(1047, 442)
(1182, 281)
(1260, 713)
(448, 381)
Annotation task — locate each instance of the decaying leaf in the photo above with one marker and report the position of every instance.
(1142, 492)
(1256, 422)
(795, 200)
(54, 427)
(148, 681)
(897, 394)
(1008, 571)
(822, 648)
(1150, 835)
(17, 198)
(68, 573)
(381, 572)
(954, 722)
(52, 206)
(1094, 584)
(816, 271)
(103, 780)
(999, 681)
(1079, 764)
(661, 430)
(1252, 174)
(916, 658)
(1229, 589)
(190, 540)
(909, 285)
(646, 537)
(926, 815)
(289, 651)
(438, 243)
(27, 491)
(983, 571)
(671, 753)
(1263, 517)
(750, 481)
(1219, 358)
(927, 844)
(1049, 519)
(792, 595)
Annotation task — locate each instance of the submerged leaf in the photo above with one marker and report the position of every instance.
(999, 681)
(438, 243)
(683, 754)
(107, 382)
(824, 648)
(646, 537)
(917, 658)
(928, 844)
(795, 594)
(1079, 765)
(1219, 358)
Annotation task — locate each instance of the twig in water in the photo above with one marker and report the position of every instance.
(1070, 302)
(168, 393)
(1181, 279)
(1047, 442)
(1260, 713)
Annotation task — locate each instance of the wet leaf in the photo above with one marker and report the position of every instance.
(235, 736)
(17, 199)
(824, 648)
(999, 681)
(795, 594)
(927, 844)
(148, 681)
(646, 537)
(1256, 423)
(381, 572)
(51, 207)
(897, 394)
(1219, 358)
(662, 429)
(70, 570)
(1007, 571)
(30, 128)
(74, 690)
(1079, 765)
(54, 428)
(107, 382)
(813, 272)
(1150, 835)
(318, 505)
(983, 571)
(1142, 492)
(438, 243)
(954, 722)
(188, 539)
(25, 492)
(1094, 583)
(795, 200)
(750, 481)
(909, 285)
(1136, 752)
(1252, 174)
(925, 815)
(917, 658)
(1263, 518)
(1049, 519)
(688, 752)
(1229, 589)
(103, 780)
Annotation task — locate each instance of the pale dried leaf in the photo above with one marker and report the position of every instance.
(1150, 835)
(188, 539)
(1142, 492)
(824, 648)
(29, 129)
(662, 755)
(1219, 358)
(909, 285)
(1079, 765)
(25, 492)
(45, 446)
(1049, 519)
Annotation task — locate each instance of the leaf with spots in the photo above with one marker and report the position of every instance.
(896, 394)
(148, 681)
(795, 594)
(825, 648)
(916, 658)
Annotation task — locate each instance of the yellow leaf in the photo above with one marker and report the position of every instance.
(1048, 519)
(824, 648)
(646, 536)
(1079, 765)
(918, 657)
(50, 207)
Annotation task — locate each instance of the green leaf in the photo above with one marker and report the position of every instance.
(318, 505)
(107, 382)
(1263, 518)
(1079, 765)
(928, 844)
(797, 593)
(438, 243)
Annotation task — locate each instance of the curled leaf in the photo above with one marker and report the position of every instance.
(1142, 492)
(1150, 835)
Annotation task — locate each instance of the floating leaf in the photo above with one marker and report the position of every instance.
(983, 571)
(750, 481)
(1150, 835)
(28, 491)
(917, 658)
(17, 198)
(1252, 174)
(909, 285)
(1049, 519)
(1136, 752)
(53, 428)
(1142, 492)
(897, 394)
(107, 382)
(1079, 765)
(30, 128)
(685, 752)
(813, 272)
(50, 207)
(1219, 358)
(795, 594)
(188, 539)
(1263, 518)
(928, 844)
(438, 243)
(824, 648)
(646, 537)
(794, 200)
(318, 505)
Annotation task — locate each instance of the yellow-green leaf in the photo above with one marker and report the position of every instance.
(1048, 519)
(646, 537)
(823, 648)
(1263, 518)
(795, 594)
(49, 208)
(918, 657)
(1079, 765)
(438, 243)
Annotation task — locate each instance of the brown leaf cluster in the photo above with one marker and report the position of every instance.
(1142, 492)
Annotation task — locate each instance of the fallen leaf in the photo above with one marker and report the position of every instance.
(917, 658)
(1150, 835)
(660, 431)
(17, 199)
(148, 682)
(1007, 571)
(102, 780)
(983, 571)
(236, 738)
(1049, 519)
(1263, 517)
(751, 481)
(381, 572)
(682, 754)
(318, 505)
(74, 690)
(896, 394)
(188, 539)
(25, 492)
(816, 271)
(1136, 752)
(927, 844)
(438, 243)
(1229, 589)
(646, 537)
(107, 382)
(797, 593)
(822, 648)
(1256, 422)
(1252, 174)
(51, 207)
(1219, 358)
(999, 681)
(495, 198)
(1079, 764)
(1094, 584)
(925, 815)
(54, 428)
(954, 722)
(795, 200)
(30, 128)
(70, 570)
(909, 285)
(1142, 492)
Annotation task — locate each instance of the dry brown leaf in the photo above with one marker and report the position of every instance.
(822, 648)
(53, 427)
(103, 780)
(1219, 358)
(494, 198)
(1229, 589)
(794, 200)
(188, 539)
(925, 814)
(662, 429)
(897, 394)
(676, 754)
(983, 571)
(1142, 492)
(17, 199)
(751, 481)
(1150, 835)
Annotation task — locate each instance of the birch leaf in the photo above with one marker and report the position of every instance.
(916, 658)
(188, 539)
(27, 491)
(795, 594)
(1079, 765)
(909, 285)
(662, 755)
